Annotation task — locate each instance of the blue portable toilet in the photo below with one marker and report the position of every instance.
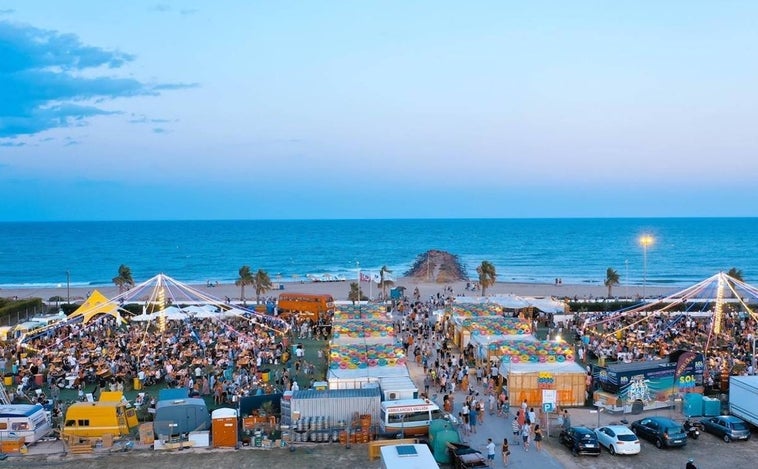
(711, 407)
(692, 405)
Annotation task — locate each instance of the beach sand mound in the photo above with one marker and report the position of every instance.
(437, 266)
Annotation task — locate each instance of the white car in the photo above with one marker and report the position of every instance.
(619, 439)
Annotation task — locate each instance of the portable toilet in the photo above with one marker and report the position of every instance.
(441, 432)
(711, 407)
(224, 428)
(693, 405)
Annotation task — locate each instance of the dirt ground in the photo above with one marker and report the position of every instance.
(322, 456)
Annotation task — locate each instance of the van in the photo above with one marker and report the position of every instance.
(407, 416)
(95, 419)
(23, 420)
(407, 457)
(305, 306)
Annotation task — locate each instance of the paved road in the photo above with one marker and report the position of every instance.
(496, 428)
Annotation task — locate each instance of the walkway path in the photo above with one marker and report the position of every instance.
(493, 427)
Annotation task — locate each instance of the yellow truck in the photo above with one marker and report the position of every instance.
(95, 419)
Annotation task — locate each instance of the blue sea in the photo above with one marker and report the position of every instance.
(684, 250)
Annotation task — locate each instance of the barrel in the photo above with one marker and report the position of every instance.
(365, 421)
(39, 380)
(137, 384)
(8, 380)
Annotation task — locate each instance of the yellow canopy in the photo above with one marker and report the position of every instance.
(96, 304)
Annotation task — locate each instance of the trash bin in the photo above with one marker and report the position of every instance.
(137, 384)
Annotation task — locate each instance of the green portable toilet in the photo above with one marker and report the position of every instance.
(439, 447)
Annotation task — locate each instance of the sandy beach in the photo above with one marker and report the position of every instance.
(340, 290)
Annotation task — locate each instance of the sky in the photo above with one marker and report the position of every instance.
(147, 110)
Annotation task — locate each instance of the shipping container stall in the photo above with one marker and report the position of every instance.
(337, 406)
(528, 380)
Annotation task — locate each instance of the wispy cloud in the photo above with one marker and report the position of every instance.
(161, 7)
(41, 86)
(188, 11)
(12, 144)
(143, 119)
(7, 11)
(174, 86)
(159, 130)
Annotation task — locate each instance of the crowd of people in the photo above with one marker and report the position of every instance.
(648, 336)
(224, 358)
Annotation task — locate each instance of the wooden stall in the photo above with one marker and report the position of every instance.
(526, 381)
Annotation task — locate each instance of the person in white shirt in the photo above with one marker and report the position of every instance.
(490, 452)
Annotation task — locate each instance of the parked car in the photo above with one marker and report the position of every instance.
(618, 439)
(661, 431)
(580, 440)
(727, 427)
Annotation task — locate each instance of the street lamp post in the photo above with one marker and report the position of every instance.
(645, 240)
(68, 287)
(626, 279)
(752, 357)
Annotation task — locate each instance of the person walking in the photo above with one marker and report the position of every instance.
(473, 416)
(532, 416)
(506, 451)
(490, 452)
(526, 432)
(516, 430)
(538, 437)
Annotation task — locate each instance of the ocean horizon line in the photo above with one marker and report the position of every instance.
(190, 220)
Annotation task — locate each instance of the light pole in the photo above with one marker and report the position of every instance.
(626, 279)
(358, 266)
(645, 240)
(68, 287)
(752, 357)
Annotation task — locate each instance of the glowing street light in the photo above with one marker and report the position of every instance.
(645, 241)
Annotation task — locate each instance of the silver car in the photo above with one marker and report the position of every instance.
(727, 427)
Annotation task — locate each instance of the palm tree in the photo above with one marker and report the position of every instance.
(383, 282)
(246, 278)
(735, 273)
(611, 279)
(355, 292)
(124, 279)
(262, 284)
(487, 275)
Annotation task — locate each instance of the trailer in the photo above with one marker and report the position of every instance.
(181, 416)
(743, 398)
(416, 456)
(23, 420)
(646, 385)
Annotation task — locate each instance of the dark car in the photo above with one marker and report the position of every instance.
(465, 457)
(727, 427)
(580, 440)
(661, 431)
